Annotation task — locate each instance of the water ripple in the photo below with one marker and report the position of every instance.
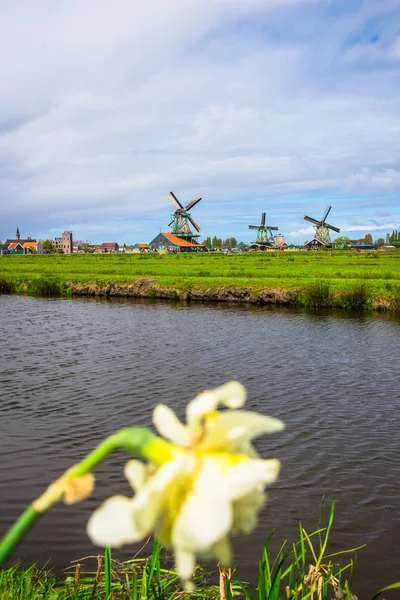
(73, 371)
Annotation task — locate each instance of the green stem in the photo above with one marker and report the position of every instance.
(135, 440)
(17, 532)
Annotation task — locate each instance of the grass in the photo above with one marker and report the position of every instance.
(303, 570)
(319, 279)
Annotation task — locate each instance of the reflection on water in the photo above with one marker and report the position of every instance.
(73, 371)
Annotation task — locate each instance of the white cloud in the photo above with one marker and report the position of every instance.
(106, 107)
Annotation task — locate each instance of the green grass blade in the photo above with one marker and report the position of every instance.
(328, 530)
(108, 572)
(393, 586)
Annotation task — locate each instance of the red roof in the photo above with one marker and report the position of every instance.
(109, 244)
(179, 241)
(142, 245)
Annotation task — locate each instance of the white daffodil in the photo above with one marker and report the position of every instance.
(210, 486)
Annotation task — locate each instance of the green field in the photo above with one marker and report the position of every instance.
(307, 278)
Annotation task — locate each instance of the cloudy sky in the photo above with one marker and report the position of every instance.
(282, 106)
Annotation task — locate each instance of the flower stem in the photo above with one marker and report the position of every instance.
(138, 441)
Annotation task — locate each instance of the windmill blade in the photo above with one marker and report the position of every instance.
(328, 210)
(312, 220)
(263, 219)
(175, 200)
(270, 227)
(193, 202)
(194, 223)
(254, 227)
(333, 228)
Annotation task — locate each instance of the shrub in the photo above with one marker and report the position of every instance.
(356, 297)
(47, 285)
(319, 294)
(6, 286)
(395, 297)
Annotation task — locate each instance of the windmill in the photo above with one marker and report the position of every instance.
(265, 236)
(181, 218)
(322, 237)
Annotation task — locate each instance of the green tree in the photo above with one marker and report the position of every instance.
(207, 242)
(395, 237)
(342, 240)
(47, 245)
(215, 242)
(230, 242)
(381, 242)
(367, 239)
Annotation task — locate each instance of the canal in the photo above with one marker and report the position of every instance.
(73, 371)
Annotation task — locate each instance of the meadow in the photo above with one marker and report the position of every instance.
(320, 279)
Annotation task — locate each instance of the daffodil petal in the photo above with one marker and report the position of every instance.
(249, 476)
(169, 426)
(112, 524)
(136, 473)
(223, 552)
(231, 394)
(149, 502)
(246, 510)
(185, 563)
(197, 528)
(232, 429)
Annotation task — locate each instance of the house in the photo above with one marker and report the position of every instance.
(16, 248)
(109, 247)
(33, 247)
(361, 246)
(64, 243)
(139, 247)
(317, 244)
(168, 242)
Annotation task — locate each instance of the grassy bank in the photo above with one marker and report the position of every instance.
(303, 570)
(317, 279)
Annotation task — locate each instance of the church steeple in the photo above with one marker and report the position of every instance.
(17, 235)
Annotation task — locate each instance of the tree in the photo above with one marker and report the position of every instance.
(229, 243)
(367, 238)
(380, 242)
(342, 240)
(216, 242)
(47, 245)
(207, 242)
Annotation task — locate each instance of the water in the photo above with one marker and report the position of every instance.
(73, 371)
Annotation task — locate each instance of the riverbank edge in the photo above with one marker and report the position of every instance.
(317, 294)
(357, 297)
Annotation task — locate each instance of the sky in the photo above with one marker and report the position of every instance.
(276, 106)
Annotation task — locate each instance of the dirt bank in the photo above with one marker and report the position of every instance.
(149, 288)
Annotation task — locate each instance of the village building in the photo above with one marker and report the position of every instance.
(168, 242)
(317, 244)
(21, 246)
(140, 247)
(108, 247)
(15, 248)
(33, 247)
(64, 242)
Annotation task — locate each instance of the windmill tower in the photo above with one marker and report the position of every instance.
(265, 236)
(322, 237)
(181, 218)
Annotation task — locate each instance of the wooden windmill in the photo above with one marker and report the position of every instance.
(322, 236)
(181, 218)
(265, 236)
